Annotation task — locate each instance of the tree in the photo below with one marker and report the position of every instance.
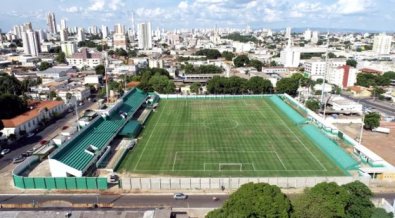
(195, 87)
(162, 84)
(44, 65)
(100, 70)
(367, 79)
(11, 101)
(257, 64)
(313, 105)
(331, 55)
(241, 61)
(381, 213)
(121, 52)
(352, 63)
(132, 53)
(258, 85)
(372, 120)
(287, 85)
(1, 126)
(323, 200)
(209, 53)
(359, 204)
(390, 75)
(10, 84)
(377, 92)
(255, 200)
(61, 57)
(228, 55)
(52, 95)
(241, 38)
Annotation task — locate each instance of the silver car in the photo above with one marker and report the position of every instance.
(180, 196)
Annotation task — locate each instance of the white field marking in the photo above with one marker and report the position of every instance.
(282, 163)
(297, 137)
(149, 138)
(231, 170)
(175, 159)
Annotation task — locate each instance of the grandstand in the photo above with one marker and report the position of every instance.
(87, 147)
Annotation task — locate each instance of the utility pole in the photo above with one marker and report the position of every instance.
(326, 70)
(76, 113)
(361, 132)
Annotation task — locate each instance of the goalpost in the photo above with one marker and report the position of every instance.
(230, 166)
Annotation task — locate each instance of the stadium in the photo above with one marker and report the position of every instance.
(149, 135)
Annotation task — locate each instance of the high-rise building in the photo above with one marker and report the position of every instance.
(307, 35)
(144, 36)
(43, 35)
(17, 31)
(315, 37)
(63, 35)
(31, 43)
(63, 24)
(119, 28)
(51, 23)
(288, 32)
(27, 27)
(104, 31)
(69, 48)
(80, 35)
(120, 41)
(382, 44)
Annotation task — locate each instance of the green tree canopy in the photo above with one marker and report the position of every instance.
(352, 63)
(209, 53)
(10, 84)
(61, 57)
(257, 64)
(228, 55)
(359, 204)
(100, 69)
(323, 200)
(44, 65)
(195, 87)
(241, 61)
(255, 200)
(241, 38)
(313, 104)
(287, 85)
(390, 75)
(372, 120)
(11, 101)
(381, 213)
(156, 79)
(258, 85)
(202, 69)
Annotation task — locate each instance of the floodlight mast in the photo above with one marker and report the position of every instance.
(325, 72)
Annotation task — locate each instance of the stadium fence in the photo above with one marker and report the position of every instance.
(233, 183)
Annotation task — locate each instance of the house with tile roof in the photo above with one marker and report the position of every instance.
(30, 120)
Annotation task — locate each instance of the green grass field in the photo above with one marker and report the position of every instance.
(229, 137)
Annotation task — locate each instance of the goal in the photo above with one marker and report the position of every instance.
(230, 166)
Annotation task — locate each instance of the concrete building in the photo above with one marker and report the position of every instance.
(31, 43)
(63, 24)
(120, 41)
(32, 119)
(63, 35)
(81, 93)
(104, 31)
(155, 63)
(119, 28)
(144, 36)
(85, 58)
(55, 72)
(343, 76)
(80, 35)
(51, 23)
(315, 37)
(69, 48)
(340, 103)
(382, 44)
(315, 69)
(288, 32)
(307, 35)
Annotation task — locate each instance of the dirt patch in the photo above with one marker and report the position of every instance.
(381, 144)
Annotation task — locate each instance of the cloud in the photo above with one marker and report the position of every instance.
(97, 5)
(73, 9)
(347, 7)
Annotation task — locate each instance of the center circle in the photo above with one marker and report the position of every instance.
(221, 123)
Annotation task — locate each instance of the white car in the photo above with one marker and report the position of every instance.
(180, 196)
(5, 151)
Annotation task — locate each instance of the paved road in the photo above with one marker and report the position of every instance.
(24, 144)
(121, 201)
(379, 105)
(135, 201)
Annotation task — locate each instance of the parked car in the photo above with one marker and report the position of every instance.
(18, 159)
(5, 151)
(113, 178)
(180, 196)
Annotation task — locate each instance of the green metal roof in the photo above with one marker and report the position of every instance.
(132, 128)
(99, 133)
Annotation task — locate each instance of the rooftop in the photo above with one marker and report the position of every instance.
(28, 115)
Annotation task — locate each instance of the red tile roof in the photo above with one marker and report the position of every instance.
(28, 115)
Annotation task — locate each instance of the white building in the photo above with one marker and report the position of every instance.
(342, 104)
(119, 28)
(55, 72)
(63, 35)
(80, 35)
(343, 76)
(31, 43)
(153, 63)
(104, 31)
(84, 58)
(307, 34)
(69, 48)
(51, 23)
(144, 36)
(288, 32)
(63, 24)
(92, 79)
(382, 44)
(81, 93)
(120, 41)
(315, 37)
(315, 69)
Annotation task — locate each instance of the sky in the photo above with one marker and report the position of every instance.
(171, 14)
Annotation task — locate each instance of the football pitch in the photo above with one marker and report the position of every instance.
(225, 137)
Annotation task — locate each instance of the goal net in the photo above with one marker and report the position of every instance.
(230, 166)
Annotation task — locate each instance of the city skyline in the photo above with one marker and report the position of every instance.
(334, 14)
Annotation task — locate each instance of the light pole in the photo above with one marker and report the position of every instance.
(361, 132)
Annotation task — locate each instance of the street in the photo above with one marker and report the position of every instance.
(379, 105)
(134, 201)
(24, 144)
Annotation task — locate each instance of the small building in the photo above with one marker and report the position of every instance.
(359, 91)
(33, 118)
(84, 58)
(55, 72)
